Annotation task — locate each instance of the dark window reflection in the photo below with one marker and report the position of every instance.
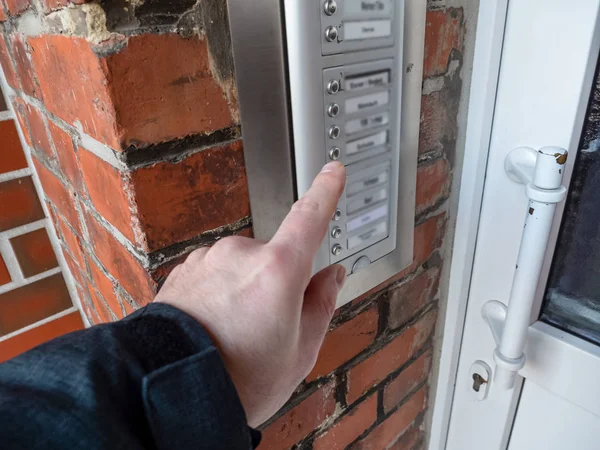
(572, 299)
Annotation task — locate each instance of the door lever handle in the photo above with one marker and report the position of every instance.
(541, 171)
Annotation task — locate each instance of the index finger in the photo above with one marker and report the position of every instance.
(304, 228)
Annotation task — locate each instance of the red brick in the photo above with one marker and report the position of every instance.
(157, 88)
(345, 342)
(17, 6)
(72, 241)
(20, 203)
(34, 252)
(24, 66)
(377, 367)
(408, 298)
(62, 199)
(19, 108)
(37, 128)
(100, 306)
(428, 238)
(29, 339)
(67, 158)
(78, 273)
(11, 155)
(178, 201)
(121, 264)
(31, 303)
(164, 89)
(4, 275)
(3, 15)
(7, 65)
(443, 32)
(409, 440)
(71, 59)
(50, 5)
(408, 380)
(394, 426)
(106, 289)
(350, 427)
(301, 420)
(108, 192)
(433, 184)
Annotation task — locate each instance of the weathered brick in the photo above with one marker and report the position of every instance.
(394, 426)
(72, 60)
(164, 89)
(377, 367)
(301, 420)
(3, 16)
(31, 303)
(345, 342)
(34, 252)
(11, 156)
(106, 288)
(67, 159)
(120, 263)
(19, 109)
(158, 87)
(7, 65)
(20, 203)
(24, 66)
(4, 274)
(16, 7)
(410, 438)
(109, 192)
(62, 198)
(439, 128)
(32, 338)
(408, 380)
(433, 184)
(50, 5)
(349, 427)
(72, 241)
(37, 129)
(408, 298)
(444, 31)
(177, 201)
(99, 305)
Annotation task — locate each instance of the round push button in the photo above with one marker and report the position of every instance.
(361, 263)
(337, 215)
(334, 154)
(330, 7)
(336, 250)
(333, 110)
(334, 132)
(333, 87)
(336, 232)
(331, 34)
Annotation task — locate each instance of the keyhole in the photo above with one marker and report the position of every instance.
(477, 382)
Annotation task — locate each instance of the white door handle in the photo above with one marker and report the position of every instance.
(541, 171)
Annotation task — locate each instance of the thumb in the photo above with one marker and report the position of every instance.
(319, 305)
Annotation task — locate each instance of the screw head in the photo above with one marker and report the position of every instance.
(333, 110)
(330, 7)
(336, 250)
(331, 34)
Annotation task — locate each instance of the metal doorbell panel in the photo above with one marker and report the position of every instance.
(323, 80)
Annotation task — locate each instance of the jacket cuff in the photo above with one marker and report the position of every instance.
(189, 398)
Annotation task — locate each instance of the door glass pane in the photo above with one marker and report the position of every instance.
(572, 299)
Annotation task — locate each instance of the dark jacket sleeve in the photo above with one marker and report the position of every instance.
(153, 380)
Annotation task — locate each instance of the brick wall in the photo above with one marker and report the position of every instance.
(132, 118)
(35, 304)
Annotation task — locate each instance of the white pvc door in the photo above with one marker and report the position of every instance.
(547, 71)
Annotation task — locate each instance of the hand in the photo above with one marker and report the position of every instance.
(259, 303)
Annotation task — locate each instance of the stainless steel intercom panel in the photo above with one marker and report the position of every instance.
(324, 80)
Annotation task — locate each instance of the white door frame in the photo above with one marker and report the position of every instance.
(489, 39)
(486, 67)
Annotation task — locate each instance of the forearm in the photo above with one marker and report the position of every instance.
(152, 380)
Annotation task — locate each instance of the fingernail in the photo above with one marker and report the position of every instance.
(340, 277)
(330, 167)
